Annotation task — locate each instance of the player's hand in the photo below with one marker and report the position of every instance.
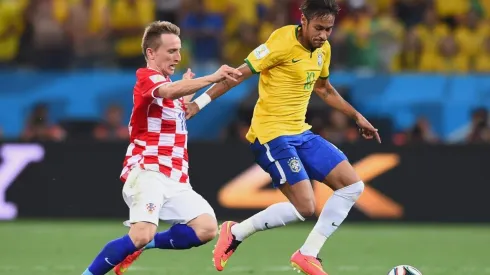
(191, 109)
(225, 72)
(189, 74)
(366, 129)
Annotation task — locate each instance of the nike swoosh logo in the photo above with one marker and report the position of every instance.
(267, 225)
(172, 243)
(296, 60)
(333, 224)
(107, 261)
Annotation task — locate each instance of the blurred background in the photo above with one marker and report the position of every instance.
(419, 70)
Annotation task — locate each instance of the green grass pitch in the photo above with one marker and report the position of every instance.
(60, 248)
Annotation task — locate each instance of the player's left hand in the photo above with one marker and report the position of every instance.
(191, 109)
(366, 129)
(189, 74)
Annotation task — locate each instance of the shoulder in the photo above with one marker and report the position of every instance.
(283, 35)
(144, 74)
(326, 48)
(279, 41)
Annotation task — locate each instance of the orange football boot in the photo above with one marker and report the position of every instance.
(309, 265)
(124, 265)
(225, 247)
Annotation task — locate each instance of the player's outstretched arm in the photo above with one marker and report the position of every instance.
(217, 90)
(187, 87)
(324, 89)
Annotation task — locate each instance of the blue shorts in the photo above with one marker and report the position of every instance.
(295, 158)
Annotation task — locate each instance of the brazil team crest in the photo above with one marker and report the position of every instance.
(294, 164)
(320, 59)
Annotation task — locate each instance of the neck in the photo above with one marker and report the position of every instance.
(301, 38)
(151, 65)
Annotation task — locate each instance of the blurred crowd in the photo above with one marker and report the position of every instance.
(378, 35)
(330, 124)
(339, 129)
(370, 35)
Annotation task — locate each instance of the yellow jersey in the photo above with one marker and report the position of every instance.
(288, 72)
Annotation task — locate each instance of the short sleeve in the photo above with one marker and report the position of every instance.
(326, 64)
(150, 83)
(266, 55)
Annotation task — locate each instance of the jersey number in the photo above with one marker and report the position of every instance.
(310, 77)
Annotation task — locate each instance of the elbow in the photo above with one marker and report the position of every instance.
(320, 91)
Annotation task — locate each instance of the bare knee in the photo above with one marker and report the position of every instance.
(142, 233)
(306, 208)
(342, 176)
(301, 196)
(205, 226)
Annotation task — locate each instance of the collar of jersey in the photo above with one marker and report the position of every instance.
(298, 27)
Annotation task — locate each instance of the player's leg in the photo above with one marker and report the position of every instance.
(276, 159)
(325, 162)
(300, 206)
(347, 187)
(193, 219)
(144, 199)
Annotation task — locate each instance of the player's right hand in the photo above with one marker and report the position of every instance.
(191, 109)
(225, 72)
(366, 129)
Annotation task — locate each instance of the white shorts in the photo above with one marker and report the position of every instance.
(151, 196)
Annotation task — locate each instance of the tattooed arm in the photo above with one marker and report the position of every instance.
(329, 95)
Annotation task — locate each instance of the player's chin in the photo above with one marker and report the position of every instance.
(171, 69)
(318, 44)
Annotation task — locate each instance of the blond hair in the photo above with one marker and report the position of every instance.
(151, 37)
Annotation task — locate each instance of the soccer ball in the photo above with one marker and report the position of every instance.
(404, 270)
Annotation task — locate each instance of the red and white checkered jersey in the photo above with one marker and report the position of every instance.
(157, 128)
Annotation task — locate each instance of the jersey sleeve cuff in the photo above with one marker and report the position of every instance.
(156, 89)
(324, 77)
(250, 66)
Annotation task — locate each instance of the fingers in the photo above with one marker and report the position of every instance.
(378, 138)
(190, 110)
(231, 70)
(189, 114)
(230, 77)
(229, 73)
(367, 136)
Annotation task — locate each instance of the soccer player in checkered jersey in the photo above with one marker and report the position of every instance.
(155, 173)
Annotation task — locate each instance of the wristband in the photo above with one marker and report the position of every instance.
(202, 100)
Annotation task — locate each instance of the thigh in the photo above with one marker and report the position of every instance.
(319, 157)
(184, 205)
(280, 159)
(144, 195)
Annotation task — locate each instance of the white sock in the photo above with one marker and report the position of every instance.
(333, 214)
(276, 215)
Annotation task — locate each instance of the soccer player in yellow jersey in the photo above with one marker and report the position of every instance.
(292, 63)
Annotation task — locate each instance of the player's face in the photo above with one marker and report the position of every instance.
(167, 56)
(318, 29)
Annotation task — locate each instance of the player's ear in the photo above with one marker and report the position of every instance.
(150, 54)
(304, 21)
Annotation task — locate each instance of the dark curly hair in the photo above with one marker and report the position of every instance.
(319, 8)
